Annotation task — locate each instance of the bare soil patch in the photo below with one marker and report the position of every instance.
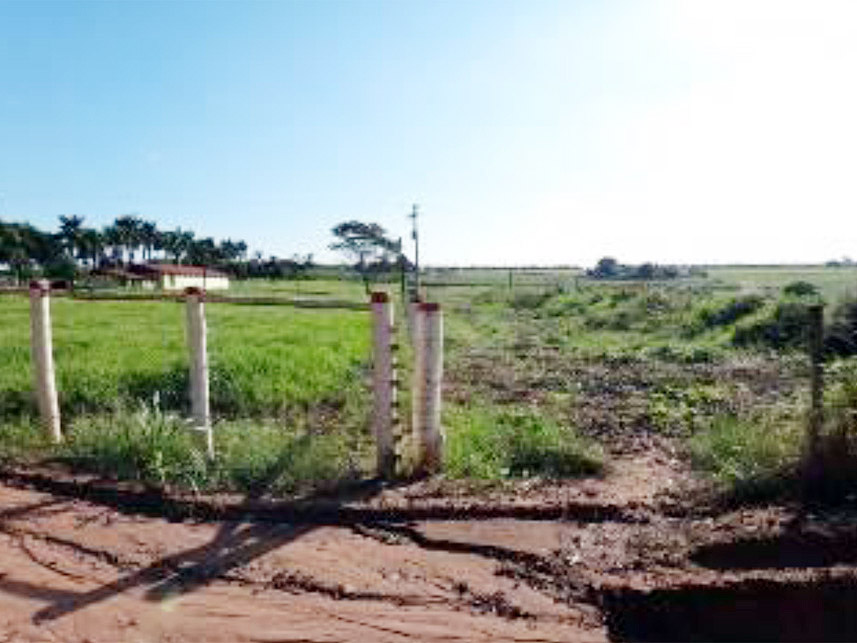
(600, 559)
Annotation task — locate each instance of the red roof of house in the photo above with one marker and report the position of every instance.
(175, 269)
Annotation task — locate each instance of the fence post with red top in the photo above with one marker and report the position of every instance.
(384, 384)
(200, 402)
(428, 378)
(41, 348)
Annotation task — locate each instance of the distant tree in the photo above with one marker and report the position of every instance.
(91, 246)
(645, 271)
(177, 244)
(129, 233)
(71, 228)
(203, 252)
(150, 238)
(606, 268)
(14, 250)
(368, 245)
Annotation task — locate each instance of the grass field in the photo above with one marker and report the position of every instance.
(276, 372)
(264, 359)
(833, 282)
(545, 376)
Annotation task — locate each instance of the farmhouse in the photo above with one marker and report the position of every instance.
(168, 276)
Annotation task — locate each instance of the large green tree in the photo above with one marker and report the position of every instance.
(368, 245)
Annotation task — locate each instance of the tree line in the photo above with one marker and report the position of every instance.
(77, 249)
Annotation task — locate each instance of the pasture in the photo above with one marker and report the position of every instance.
(548, 374)
(276, 372)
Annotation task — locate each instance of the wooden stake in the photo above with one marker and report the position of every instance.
(816, 355)
(41, 345)
(199, 387)
(383, 385)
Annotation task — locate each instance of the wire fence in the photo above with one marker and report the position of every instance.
(209, 358)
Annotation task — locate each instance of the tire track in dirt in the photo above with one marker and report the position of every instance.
(93, 581)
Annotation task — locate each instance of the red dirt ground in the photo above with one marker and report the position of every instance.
(584, 561)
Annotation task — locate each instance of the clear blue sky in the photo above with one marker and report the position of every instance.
(529, 132)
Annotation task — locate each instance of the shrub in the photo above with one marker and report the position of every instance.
(800, 289)
(730, 312)
(785, 328)
(841, 333)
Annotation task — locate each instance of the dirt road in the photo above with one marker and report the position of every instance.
(585, 561)
(71, 570)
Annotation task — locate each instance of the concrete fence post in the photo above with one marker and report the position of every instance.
(428, 377)
(410, 310)
(41, 347)
(383, 384)
(200, 402)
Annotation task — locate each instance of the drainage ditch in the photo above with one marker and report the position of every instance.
(753, 610)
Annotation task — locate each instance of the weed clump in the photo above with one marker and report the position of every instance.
(159, 449)
(765, 455)
(143, 446)
(492, 443)
(749, 456)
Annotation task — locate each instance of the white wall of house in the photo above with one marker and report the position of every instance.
(180, 282)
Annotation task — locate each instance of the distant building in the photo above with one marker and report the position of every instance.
(168, 276)
(125, 278)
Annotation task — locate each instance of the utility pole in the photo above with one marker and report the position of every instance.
(413, 215)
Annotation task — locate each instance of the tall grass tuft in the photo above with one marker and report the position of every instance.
(749, 457)
(142, 445)
(491, 443)
(158, 449)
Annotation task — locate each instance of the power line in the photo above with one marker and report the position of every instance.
(415, 235)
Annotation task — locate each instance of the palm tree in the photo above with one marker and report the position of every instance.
(150, 238)
(91, 246)
(112, 238)
(13, 249)
(185, 244)
(70, 232)
(128, 228)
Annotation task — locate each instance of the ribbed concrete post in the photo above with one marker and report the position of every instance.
(200, 403)
(428, 378)
(41, 348)
(383, 384)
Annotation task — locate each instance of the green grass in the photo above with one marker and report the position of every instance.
(278, 375)
(549, 361)
(491, 444)
(264, 360)
(340, 289)
(158, 449)
(749, 456)
(833, 282)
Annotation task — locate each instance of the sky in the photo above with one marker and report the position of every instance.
(530, 132)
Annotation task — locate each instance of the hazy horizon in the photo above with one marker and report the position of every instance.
(530, 133)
